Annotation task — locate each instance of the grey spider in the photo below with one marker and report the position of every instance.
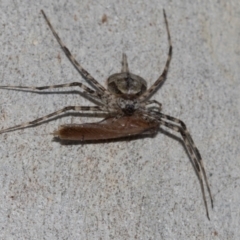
(127, 108)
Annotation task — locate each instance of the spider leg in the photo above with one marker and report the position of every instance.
(88, 91)
(125, 68)
(197, 153)
(162, 77)
(80, 69)
(65, 109)
(159, 105)
(192, 149)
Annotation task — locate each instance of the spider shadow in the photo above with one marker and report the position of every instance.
(102, 116)
(128, 139)
(180, 140)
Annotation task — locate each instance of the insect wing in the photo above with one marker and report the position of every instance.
(109, 128)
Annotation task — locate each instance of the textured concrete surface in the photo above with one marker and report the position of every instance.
(140, 189)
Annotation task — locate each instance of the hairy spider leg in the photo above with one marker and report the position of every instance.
(56, 113)
(192, 149)
(80, 69)
(162, 77)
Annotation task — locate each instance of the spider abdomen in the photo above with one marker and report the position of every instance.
(126, 83)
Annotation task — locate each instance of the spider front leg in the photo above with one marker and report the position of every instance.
(193, 152)
(75, 63)
(57, 113)
(162, 77)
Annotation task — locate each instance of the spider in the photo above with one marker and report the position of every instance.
(127, 108)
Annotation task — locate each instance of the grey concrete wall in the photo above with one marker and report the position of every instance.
(139, 189)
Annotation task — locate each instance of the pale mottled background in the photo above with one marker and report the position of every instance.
(140, 189)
